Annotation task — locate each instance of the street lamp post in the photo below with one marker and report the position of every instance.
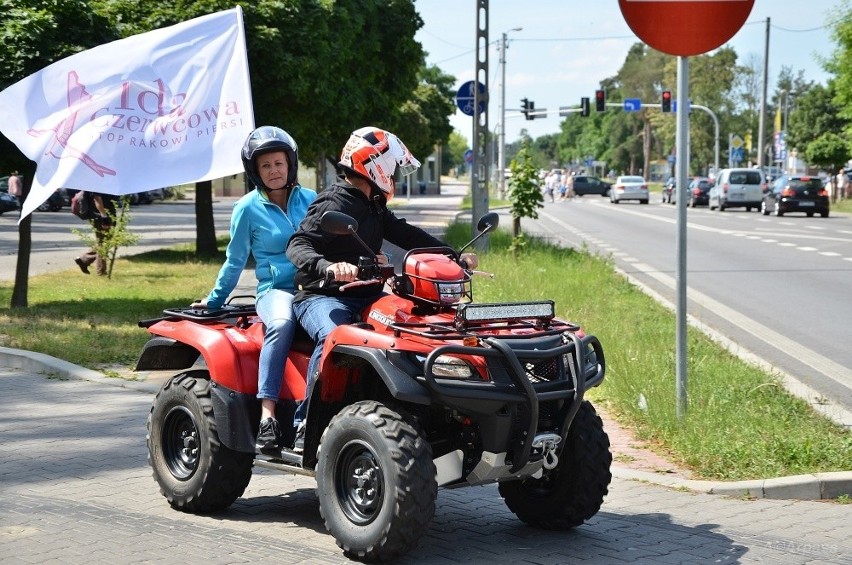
(501, 148)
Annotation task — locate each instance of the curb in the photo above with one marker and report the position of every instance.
(817, 486)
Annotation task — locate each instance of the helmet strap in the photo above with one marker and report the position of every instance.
(378, 200)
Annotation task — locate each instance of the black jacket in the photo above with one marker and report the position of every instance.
(312, 251)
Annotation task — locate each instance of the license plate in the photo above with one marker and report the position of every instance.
(806, 203)
(735, 196)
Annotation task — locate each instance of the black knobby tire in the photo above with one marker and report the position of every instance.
(375, 482)
(573, 492)
(196, 473)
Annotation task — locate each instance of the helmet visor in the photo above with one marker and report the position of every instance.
(406, 163)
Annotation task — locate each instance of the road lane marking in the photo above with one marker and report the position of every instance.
(831, 370)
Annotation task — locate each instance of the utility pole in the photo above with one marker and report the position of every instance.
(761, 133)
(501, 149)
(479, 172)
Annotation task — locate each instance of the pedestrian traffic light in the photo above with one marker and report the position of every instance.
(667, 101)
(525, 108)
(584, 106)
(600, 100)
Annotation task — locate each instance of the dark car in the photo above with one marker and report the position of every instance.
(795, 193)
(668, 188)
(699, 192)
(8, 203)
(590, 185)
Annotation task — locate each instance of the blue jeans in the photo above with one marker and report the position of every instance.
(318, 315)
(275, 309)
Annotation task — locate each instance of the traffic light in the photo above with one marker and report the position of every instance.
(600, 100)
(584, 106)
(525, 108)
(531, 114)
(667, 101)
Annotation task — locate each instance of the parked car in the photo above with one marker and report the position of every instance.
(8, 203)
(697, 192)
(629, 188)
(590, 185)
(54, 202)
(738, 188)
(146, 197)
(796, 194)
(668, 188)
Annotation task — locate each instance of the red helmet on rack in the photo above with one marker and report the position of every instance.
(434, 279)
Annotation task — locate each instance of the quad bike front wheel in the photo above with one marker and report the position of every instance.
(375, 482)
(573, 492)
(196, 473)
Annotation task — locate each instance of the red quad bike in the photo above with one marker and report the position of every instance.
(429, 389)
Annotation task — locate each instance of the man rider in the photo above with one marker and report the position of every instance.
(325, 262)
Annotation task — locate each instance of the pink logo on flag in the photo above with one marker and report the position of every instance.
(63, 130)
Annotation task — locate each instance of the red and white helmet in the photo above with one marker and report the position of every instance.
(375, 154)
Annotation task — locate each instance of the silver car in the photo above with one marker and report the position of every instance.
(738, 188)
(629, 188)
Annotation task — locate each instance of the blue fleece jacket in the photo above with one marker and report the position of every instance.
(262, 229)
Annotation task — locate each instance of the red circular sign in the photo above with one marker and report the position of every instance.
(685, 27)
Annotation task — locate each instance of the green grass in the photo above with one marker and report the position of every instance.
(844, 206)
(92, 321)
(740, 422)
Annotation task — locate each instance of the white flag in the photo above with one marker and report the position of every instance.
(158, 109)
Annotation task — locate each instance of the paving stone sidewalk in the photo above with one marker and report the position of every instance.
(75, 488)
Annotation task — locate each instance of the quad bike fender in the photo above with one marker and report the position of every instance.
(236, 416)
(400, 384)
(230, 353)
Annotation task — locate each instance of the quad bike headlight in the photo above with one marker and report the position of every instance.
(450, 293)
(447, 367)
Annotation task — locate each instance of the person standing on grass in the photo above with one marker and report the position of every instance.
(104, 206)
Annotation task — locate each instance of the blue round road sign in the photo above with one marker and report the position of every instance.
(465, 97)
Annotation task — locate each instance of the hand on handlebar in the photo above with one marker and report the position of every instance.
(343, 272)
(199, 304)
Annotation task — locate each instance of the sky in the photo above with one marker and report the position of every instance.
(566, 47)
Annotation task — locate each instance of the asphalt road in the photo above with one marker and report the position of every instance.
(776, 288)
(54, 245)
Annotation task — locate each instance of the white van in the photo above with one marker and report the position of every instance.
(741, 188)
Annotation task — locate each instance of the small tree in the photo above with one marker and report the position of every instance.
(829, 151)
(524, 190)
(116, 236)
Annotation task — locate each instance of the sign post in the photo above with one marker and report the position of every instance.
(684, 28)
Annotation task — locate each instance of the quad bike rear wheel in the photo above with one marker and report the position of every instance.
(375, 482)
(196, 473)
(574, 491)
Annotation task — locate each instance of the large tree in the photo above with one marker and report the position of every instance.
(840, 64)
(36, 33)
(318, 69)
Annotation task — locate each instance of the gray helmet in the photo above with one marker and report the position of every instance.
(267, 139)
